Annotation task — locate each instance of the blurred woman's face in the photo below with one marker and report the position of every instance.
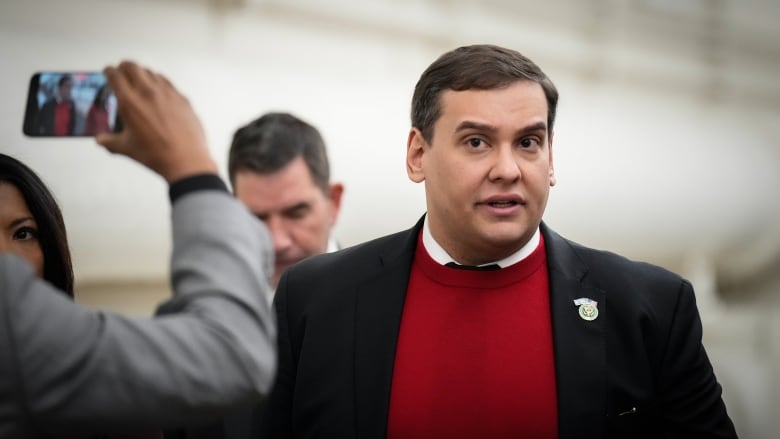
(18, 228)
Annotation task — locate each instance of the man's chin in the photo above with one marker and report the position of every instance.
(510, 241)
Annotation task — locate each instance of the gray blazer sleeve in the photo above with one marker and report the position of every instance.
(210, 349)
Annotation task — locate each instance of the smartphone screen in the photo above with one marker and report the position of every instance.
(70, 104)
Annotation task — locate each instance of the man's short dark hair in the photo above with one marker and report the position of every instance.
(63, 79)
(269, 143)
(482, 67)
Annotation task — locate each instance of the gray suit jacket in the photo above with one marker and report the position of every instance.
(637, 371)
(65, 369)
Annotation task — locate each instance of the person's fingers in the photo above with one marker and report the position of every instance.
(167, 83)
(120, 80)
(154, 77)
(161, 130)
(132, 70)
(109, 141)
(166, 88)
(119, 83)
(140, 79)
(114, 81)
(124, 80)
(103, 138)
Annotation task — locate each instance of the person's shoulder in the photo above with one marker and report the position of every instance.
(612, 271)
(333, 277)
(608, 262)
(634, 289)
(354, 259)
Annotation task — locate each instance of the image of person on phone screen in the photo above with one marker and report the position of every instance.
(57, 116)
(98, 114)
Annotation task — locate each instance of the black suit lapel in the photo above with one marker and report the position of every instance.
(379, 305)
(580, 345)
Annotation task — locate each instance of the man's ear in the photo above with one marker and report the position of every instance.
(553, 180)
(415, 149)
(336, 190)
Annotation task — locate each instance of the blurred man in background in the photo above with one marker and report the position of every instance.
(279, 169)
(57, 116)
(278, 166)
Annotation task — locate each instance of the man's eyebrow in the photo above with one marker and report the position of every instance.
(471, 125)
(538, 126)
(284, 210)
(298, 206)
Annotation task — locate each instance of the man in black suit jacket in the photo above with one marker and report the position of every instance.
(385, 339)
(50, 113)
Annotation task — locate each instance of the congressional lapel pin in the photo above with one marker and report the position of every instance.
(588, 308)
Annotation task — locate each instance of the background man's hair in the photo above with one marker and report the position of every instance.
(63, 79)
(272, 141)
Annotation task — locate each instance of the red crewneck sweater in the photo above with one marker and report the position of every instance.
(475, 353)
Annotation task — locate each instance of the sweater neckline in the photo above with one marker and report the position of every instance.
(455, 277)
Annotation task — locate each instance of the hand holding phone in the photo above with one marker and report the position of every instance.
(70, 104)
(161, 129)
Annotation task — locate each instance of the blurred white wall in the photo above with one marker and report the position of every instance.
(666, 144)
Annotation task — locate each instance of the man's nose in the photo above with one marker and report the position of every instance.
(279, 233)
(505, 165)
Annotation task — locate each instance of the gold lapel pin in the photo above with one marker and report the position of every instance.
(588, 308)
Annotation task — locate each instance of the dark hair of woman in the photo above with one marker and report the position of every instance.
(51, 228)
(100, 97)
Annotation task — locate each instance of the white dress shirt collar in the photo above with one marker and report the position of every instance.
(441, 256)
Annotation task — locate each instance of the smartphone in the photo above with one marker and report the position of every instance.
(70, 104)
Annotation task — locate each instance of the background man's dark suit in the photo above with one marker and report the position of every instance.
(636, 370)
